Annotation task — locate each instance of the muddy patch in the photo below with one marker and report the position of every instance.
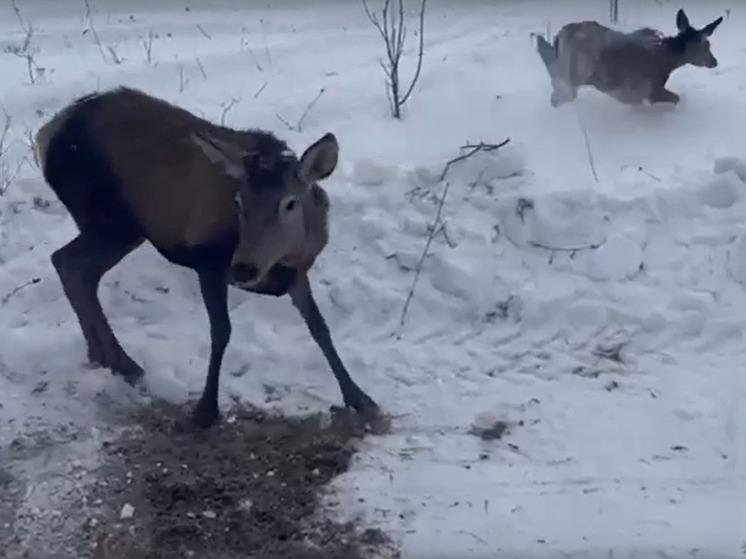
(250, 487)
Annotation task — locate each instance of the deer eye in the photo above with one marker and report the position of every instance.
(290, 205)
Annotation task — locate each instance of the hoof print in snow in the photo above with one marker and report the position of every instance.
(586, 372)
(610, 351)
(493, 431)
(371, 423)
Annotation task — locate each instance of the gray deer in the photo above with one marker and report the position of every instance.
(236, 206)
(630, 67)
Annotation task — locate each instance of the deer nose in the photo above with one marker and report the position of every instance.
(245, 273)
(713, 63)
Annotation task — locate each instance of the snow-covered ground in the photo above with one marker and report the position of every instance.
(618, 366)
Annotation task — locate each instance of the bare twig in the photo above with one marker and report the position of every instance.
(392, 28)
(284, 121)
(571, 250)
(251, 52)
(92, 27)
(202, 30)
(259, 91)
(438, 225)
(473, 148)
(114, 56)
(147, 45)
(266, 46)
(421, 261)
(182, 81)
(614, 11)
(30, 144)
(26, 52)
(588, 150)
(299, 126)
(227, 107)
(657, 179)
(201, 68)
(7, 176)
(32, 281)
(24, 25)
(308, 109)
(4, 134)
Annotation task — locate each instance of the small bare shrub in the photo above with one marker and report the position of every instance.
(391, 25)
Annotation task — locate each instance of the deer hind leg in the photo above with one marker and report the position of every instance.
(562, 93)
(80, 265)
(663, 95)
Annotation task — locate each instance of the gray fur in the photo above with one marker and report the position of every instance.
(630, 67)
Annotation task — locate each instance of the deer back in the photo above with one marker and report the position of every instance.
(180, 198)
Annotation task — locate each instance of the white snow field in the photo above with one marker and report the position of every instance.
(602, 320)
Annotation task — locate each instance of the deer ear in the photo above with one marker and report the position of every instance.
(320, 158)
(225, 155)
(682, 22)
(708, 29)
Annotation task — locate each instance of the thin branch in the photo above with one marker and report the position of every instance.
(266, 46)
(202, 30)
(657, 179)
(420, 262)
(589, 152)
(299, 126)
(201, 68)
(308, 108)
(89, 17)
(182, 82)
(420, 52)
(473, 149)
(147, 45)
(571, 250)
(259, 91)
(4, 134)
(227, 107)
(392, 28)
(30, 144)
(438, 224)
(10, 176)
(25, 26)
(114, 55)
(32, 281)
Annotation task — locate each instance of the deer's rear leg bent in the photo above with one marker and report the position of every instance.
(80, 265)
(663, 95)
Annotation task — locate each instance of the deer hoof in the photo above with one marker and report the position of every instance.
(205, 416)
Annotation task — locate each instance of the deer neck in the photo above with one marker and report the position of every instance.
(670, 56)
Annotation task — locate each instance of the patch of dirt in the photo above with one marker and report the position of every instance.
(250, 487)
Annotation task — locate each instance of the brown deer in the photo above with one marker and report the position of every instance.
(630, 67)
(237, 207)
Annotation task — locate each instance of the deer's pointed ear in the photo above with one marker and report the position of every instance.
(226, 156)
(682, 22)
(708, 29)
(320, 158)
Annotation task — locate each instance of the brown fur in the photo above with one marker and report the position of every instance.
(238, 207)
(178, 195)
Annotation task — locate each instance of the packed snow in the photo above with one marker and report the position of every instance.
(600, 318)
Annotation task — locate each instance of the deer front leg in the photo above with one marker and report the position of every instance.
(353, 396)
(663, 95)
